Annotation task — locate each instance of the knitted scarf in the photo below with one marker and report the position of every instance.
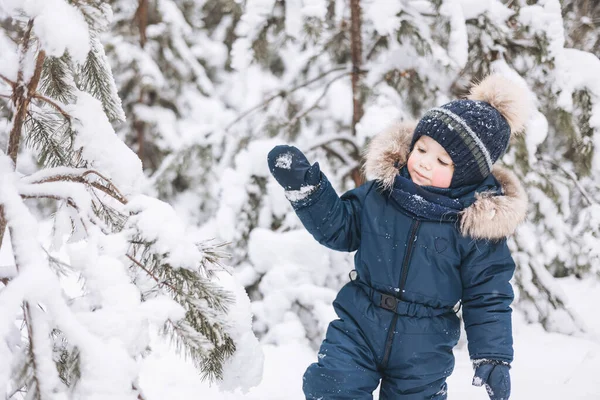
(437, 204)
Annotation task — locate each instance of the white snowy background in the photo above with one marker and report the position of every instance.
(289, 271)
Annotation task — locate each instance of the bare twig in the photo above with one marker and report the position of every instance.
(5, 79)
(282, 93)
(160, 283)
(53, 104)
(93, 219)
(111, 185)
(571, 176)
(110, 189)
(302, 114)
(333, 138)
(136, 388)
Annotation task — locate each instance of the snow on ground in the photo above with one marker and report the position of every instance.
(548, 366)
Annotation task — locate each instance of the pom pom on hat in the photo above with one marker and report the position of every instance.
(509, 98)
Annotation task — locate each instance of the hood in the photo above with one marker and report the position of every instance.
(491, 216)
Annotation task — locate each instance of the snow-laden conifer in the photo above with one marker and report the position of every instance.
(78, 300)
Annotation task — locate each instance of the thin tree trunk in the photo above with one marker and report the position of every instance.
(142, 17)
(356, 54)
(139, 128)
(21, 98)
(356, 50)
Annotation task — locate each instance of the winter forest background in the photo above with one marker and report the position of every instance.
(146, 251)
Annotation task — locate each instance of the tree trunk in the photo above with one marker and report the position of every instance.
(21, 99)
(356, 54)
(141, 15)
(356, 50)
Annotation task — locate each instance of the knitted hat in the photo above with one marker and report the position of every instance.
(476, 131)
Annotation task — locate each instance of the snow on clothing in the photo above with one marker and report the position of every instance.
(396, 321)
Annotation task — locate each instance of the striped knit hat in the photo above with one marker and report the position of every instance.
(476, 131)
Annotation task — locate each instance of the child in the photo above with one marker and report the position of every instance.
(430, 230)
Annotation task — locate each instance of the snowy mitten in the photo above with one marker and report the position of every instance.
(291, 169)
(494, 375)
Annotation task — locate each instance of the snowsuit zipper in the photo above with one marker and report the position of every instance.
(405, 264)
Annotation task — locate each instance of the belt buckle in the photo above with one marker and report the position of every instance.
(388, 302)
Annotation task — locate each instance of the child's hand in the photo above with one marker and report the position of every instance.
(291, 168)
(495, 378)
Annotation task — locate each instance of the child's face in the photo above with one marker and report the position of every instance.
(429, 164)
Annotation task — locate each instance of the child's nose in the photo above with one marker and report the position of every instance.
(425, 163)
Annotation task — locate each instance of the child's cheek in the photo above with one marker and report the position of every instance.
(442, 178)
(411, 162)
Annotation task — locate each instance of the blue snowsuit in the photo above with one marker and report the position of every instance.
(396, 323)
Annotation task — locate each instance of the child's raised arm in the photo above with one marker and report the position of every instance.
(333, 221)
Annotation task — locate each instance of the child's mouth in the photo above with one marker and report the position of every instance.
(421, 176)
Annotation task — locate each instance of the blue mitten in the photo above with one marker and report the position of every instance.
(291, 169)
(494, 375)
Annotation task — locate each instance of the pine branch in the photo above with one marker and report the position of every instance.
(205, 355)
(54, 104)
(49, 190)
(52, 138)
(57, 79)
(66, 358)
(80, 176)
(200, 335)
(21, 371)
(60, 267)
(110, 216)
(96, 78)
(97, 14)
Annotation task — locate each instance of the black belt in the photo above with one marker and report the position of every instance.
(401, 307)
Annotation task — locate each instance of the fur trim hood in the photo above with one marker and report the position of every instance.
(490, 217)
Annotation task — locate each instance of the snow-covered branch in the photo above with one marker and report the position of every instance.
(63, 94)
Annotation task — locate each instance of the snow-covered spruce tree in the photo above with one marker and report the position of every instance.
(131, 260)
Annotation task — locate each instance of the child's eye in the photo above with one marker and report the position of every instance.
(421, 150)
(444, 163)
